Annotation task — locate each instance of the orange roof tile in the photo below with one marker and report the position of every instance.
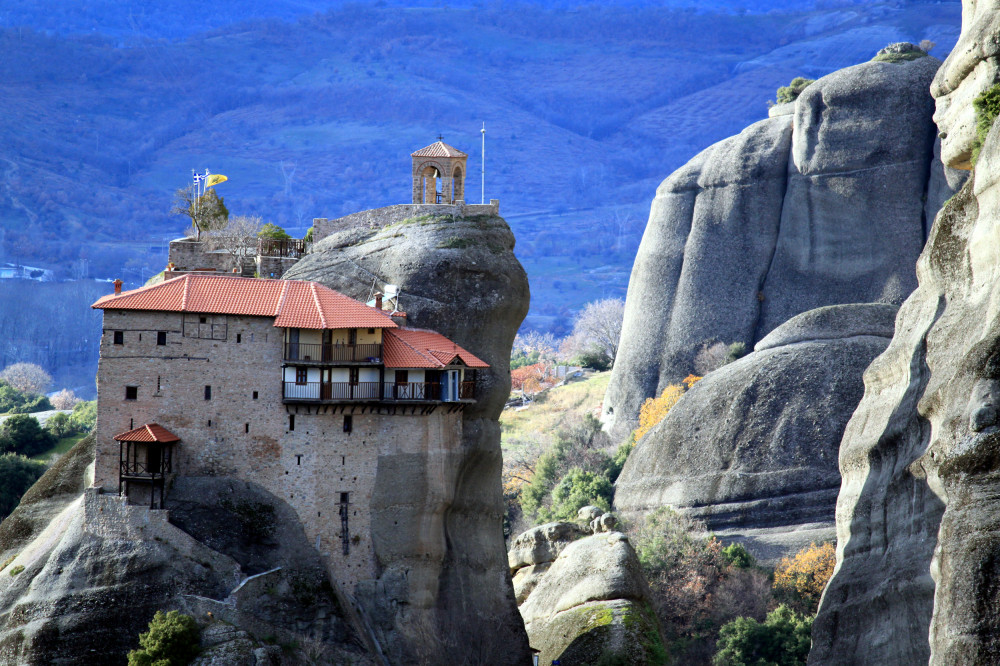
(293, 303)
(151, 432)
(418, 348)
(439, 149)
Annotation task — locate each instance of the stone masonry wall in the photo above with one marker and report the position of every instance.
(189, 254)
(377, 218)
(301, 453)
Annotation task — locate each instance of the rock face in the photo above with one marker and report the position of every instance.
(970, 69)
(584, 597)
(751, 449)
(85, 573)
(918, 535)
(819, 206)
(450, 589)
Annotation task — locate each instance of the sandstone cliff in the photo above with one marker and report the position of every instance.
(917, 512)
(751, 449)
(823, 203)
(444, 583)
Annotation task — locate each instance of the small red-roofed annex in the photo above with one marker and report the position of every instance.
(286, 384)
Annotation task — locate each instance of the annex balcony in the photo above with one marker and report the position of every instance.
(336, 392)
(301, 352)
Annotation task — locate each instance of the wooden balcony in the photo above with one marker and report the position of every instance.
(301, 352)
(290, 247)
(336, 392)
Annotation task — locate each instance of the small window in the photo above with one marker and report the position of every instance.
(119, 337)
(345, 498)
(157, 383)
(239, 338)
(348, 423)
(161, 338)
(131, 392)
(131, 424)
(371, 331)
(208, 393)
(255, 395)
(300, 376)
(291, 421)
(298, 459)
(202, 320)
(246, 427)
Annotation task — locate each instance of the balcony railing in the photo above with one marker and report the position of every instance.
(139, 468)
(333, 353)
(390, 391)
(291, 247)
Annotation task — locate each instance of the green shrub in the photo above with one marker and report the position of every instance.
(273, 231)
(735, 351)
(16, 570)
(782, 640)
(309, 235)
(17, 474)
(172, 640)
(987, 107)
(595, 360)
(13, 401)
(84, 416)
(22, 434)
(578, 489)
(791, 92)
(738, 556)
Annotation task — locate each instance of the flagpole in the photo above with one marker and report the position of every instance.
(482, 194)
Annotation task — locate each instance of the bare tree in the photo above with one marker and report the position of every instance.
(238, 238)
(710, 357)
(207, 212)
(64, 399)
(532, 341)
(599, 326)
(27, 377)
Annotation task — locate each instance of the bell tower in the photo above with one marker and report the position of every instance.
(439, 174)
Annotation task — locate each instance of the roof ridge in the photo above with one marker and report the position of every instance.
(149, 429)
(281, 298)
(319, 308)
(415, 350)
(184, 292)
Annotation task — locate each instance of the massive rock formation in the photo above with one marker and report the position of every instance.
(444, 583)
(823, 203)
(583, 597)
(751, 449)
(918, 535)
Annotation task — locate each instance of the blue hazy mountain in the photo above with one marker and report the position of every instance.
(312, 111)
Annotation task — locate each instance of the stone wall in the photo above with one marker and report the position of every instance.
(274, 267)
(301, 453)
(189, 254)
(377, 218)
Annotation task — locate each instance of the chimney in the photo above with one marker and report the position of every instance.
(378, 300)
(118, 287)
(399, 318)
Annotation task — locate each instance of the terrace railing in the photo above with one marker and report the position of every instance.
(333, 353)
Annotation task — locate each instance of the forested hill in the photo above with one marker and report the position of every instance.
(107, 108)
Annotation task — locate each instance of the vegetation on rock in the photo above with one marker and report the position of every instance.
(791, 92)
(654, 410)
(987, 107)
(22, 434)
(172, 640)
(803, 577)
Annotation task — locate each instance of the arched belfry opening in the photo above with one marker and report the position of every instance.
(439, 174)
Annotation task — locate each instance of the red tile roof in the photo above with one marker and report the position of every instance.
(439, 149)
(151, 432)
(292, 303)
(417, 348)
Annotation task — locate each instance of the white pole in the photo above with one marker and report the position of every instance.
(482, 194)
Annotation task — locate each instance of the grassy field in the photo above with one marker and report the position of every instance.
(64, 445)
(555, 409)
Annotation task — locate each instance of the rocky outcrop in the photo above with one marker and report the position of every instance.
(751, 449)
(448, 589)
(84, 573)
(826, 202)
(583, 596)
(917, 527)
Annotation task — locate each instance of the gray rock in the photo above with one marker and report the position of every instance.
(917, 522)
(752, 448)
(458, 276)
(588, 513)
(970, 68)
(542, 544)
(900, 48)
(593, 601)
(604, 523)
(527, 578)
(820, 207)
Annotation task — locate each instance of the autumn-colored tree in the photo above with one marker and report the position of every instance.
(655, 410)
(805, 575)
(531, 379)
